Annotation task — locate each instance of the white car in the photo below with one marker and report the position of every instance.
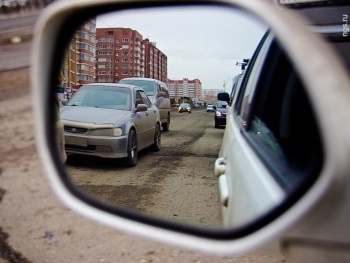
(283, 168)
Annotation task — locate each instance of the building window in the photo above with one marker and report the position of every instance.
(105, 46)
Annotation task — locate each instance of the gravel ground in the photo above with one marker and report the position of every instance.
(36, 227)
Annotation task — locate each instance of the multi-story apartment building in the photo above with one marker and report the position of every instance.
(109, 55)
(122, 53)
(79, 66)
(86, 53)
(185, 88)
(156, 62)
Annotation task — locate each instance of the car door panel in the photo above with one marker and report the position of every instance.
(252, 190)
(142, 123)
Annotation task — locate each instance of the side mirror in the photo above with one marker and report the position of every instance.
(141, 107)
(176, 200)
(223, 96)
(161, 94)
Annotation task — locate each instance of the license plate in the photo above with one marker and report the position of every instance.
(76, 141)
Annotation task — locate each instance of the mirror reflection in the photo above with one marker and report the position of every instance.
(137, 94)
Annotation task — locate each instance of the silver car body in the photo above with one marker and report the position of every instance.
(89, 125)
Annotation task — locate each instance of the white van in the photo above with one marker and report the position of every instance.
(157, 92)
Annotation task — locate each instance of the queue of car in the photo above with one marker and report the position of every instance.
(118, 120)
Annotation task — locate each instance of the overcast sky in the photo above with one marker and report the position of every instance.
(203, 43)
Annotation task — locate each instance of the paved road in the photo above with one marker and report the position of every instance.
(36, 227)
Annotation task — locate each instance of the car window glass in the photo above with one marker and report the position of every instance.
(99, 97)
(221, 104)
(236, 83)
(251, 79)
(145, 99)
(138, 98)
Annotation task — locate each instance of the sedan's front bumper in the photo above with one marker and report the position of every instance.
(102, 146)
(220, 120)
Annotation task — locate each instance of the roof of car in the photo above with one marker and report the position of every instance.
(108, 84)
(136, 78)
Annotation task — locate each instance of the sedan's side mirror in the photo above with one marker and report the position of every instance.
(223, 96)
(161, 94)
(141, 107)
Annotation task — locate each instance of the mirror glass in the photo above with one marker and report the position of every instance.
(196, 52)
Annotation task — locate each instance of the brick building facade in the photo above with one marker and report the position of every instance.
(122, 53)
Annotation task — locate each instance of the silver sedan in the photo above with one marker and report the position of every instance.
(112, 121)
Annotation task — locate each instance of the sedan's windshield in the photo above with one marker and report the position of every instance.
(147, 86)
(221, 104)
(102, 97)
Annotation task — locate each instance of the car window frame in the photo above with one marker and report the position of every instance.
(244, 120)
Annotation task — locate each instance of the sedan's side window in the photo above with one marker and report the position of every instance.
(243, 105)
(145, 99)
(277, 118)
(138, 98)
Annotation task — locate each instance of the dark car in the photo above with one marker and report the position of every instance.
(220, 113)
(185, 107)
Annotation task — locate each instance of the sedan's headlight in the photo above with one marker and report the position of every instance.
(218, 113)
(107, 132)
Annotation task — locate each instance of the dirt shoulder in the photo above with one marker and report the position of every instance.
(14, 79)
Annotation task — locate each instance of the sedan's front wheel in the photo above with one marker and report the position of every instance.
(131, 159)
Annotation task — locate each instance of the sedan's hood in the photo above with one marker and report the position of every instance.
(92, 115)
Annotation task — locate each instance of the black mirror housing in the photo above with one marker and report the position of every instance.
(223, 96)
